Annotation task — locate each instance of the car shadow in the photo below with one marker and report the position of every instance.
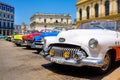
(27, 48)
(79, 72)
(35, 52)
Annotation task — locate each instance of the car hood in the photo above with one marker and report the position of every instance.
(84, 35)
(25, 36)
(32, 35)
(45, 34)
(18, 37)
(37, 38)
(49, 34)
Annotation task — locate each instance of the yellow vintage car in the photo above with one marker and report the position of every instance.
(18, 39)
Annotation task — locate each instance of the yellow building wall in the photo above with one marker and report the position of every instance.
(83, 4)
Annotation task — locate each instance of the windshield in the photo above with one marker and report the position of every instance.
(101, 24)
(58, 29)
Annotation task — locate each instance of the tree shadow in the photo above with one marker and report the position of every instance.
(79, 72)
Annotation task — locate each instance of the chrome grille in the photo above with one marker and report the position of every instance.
(37, 42)
(59, 51)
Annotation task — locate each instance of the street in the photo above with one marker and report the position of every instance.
(19, 63)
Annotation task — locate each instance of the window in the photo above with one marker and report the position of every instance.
(8, 24)
(0, 6)
(4, 7)
(88, 12)
(11, 16)
(67, 20)
(4, 25)
(11, 25)
(0, 24)
(107, 8)
(80, 14)
(61, 19)
(50, 18)
(0, 14)
(118, 6)
(7, 8)
(45, 20)
(8, 16)
(4, 15)
(11, 10)
(96, 10)
(56, 21)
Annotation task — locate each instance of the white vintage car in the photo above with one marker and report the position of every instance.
(96, 44)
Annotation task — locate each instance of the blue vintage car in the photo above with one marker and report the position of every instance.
(38, 40)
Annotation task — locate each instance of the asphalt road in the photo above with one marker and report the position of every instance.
(19, 63)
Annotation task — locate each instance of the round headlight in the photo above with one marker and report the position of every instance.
(93, 43)
(51, 52)
(42, 40)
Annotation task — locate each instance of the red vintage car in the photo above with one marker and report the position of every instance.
(28, 39)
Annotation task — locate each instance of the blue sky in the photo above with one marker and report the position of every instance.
(24, 9)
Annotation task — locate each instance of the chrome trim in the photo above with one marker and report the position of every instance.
(82, 62)
(24, 43)
(33, 45)
(37, 42)
(18, 41)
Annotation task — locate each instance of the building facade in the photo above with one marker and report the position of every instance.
(97, 9)
(6, 19)
(25, 28)
(17, 29)
(49, 21)
(21, 29)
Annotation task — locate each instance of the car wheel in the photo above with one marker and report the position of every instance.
(106, 64)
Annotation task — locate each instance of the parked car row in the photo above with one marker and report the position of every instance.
(35, 39)
(96, 44)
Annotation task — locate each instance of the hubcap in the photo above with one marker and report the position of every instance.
(106, 62)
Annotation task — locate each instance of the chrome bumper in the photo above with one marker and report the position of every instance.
(82, 62)
(18, 41)
(24, 43)
(37, 46)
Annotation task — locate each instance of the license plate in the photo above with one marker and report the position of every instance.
(57, 60)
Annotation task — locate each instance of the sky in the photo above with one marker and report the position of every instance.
(24, 9)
